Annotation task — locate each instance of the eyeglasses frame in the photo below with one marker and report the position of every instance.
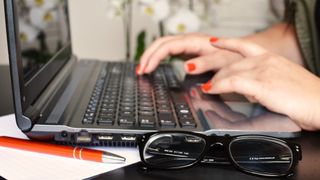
(226, 142)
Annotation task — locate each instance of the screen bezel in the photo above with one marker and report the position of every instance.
(30, 90)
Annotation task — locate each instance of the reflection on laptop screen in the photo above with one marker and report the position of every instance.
(43, 31)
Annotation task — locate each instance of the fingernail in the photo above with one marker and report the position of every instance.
(138, 69)
(207, 86)
(191, 67)
(214, 39)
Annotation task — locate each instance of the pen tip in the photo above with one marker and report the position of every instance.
(112, 158)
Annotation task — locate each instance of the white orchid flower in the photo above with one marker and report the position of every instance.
(27, 33)
(45, 4)
(115, 8)
(158, 10)
(184, 21)
(40, 17)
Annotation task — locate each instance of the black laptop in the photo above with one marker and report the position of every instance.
(60, 98)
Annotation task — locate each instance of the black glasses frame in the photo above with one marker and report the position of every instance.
(226, 142)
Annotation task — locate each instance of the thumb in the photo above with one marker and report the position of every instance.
(243, 47)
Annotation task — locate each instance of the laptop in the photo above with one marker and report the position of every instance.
(58, 97)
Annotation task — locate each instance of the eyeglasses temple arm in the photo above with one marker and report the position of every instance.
(246, 159)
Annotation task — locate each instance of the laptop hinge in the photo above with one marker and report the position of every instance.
(24, 123)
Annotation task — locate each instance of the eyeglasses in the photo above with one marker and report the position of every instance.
(253, 154)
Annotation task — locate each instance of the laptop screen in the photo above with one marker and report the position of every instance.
(43, 32)
(39, 40)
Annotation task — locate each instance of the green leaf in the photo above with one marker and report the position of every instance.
(141, 45)
(36, 55)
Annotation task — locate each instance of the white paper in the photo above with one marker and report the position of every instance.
(18, 164)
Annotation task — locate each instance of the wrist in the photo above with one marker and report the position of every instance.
(280, 39)
(310, 114)
(315, 115)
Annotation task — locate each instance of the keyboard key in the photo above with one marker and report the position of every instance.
(127, 108)
(145, 104)
(145, 95)
(164, 111)
(162, 98)
(90, 110)
(144, 99)
(146, 113)
(167, 123)
(111, 93)
(126, 113)
(93, 101)
(87, 120)
(91, 114)
(187, 123)
(183, 111)
(93, 104)
(144, 91)
(107, 110)
(166, 120)
(126, 121)
(112, 89)
(110, 97)
(164, 106)
(105, 121)
(127, 96)
(108, 106)
(185, 116)
(131, 104)
(127, 100)
(181, 106)
(162, 101)
(145, 108)
(146, 121)
(109, 101)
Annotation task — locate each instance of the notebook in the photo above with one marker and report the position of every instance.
(19, 164)
(61, 98)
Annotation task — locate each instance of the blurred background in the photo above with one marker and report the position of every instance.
(98, 29)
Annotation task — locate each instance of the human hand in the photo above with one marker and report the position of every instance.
(188, 45)
(277, 83)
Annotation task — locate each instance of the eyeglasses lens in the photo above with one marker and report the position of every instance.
(261, 156)
(173, 150)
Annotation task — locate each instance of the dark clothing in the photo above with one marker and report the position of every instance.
(317, 17)
(307, 25)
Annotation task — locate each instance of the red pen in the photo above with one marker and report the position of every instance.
(60, 150)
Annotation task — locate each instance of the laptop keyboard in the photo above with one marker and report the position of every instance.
(124, 99)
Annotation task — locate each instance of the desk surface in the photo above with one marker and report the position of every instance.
(308, 168)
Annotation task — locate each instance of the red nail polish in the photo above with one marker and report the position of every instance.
(137, 69)
(213, 39)
(207, 86)
(191, 67)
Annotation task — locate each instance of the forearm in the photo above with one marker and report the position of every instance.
(280, 39)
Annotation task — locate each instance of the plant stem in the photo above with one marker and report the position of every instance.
(161, 29)
(191, 5)
(127, 23)
(42, 42)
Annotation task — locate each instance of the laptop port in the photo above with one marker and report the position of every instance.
(64, 134)
(83, 137)
(105, 137)
(128, 138)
